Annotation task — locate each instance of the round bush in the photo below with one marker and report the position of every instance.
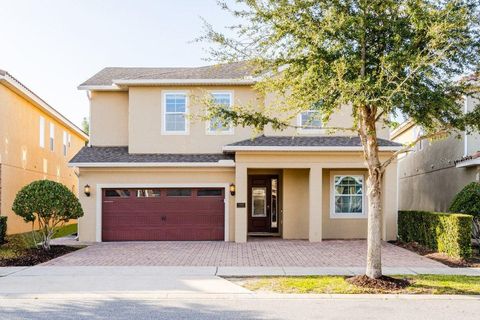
(48, 203)
(47, 199)
(467, 200)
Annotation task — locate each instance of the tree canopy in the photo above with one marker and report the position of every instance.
(381, 57)
(396, 56)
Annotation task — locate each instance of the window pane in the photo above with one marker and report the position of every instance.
(221, 99)
(259, 202)
(179, 192)
(348, 194)
(218, 125)
(175, 102)
(148, 193)
(175, 122)
(311, 120)
(209, 193)
(122, 193)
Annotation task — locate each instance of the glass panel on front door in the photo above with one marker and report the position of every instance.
(259, 202)
(274, 206)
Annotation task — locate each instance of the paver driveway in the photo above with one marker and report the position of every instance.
(281, 253)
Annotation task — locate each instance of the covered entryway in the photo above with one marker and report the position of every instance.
(143, 214)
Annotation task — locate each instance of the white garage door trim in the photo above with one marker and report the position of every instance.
(98, 194)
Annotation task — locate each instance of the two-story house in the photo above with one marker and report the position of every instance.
(437, 170)
(154, 171)
(36, 142)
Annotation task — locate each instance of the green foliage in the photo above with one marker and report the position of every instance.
(442, 232)
(85, 126)
(467, 200)
(384, 57)
(47, 199)
(48, 203)
(3, 229)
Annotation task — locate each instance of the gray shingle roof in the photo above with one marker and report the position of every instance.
(121, 155)
(239, 70)
(308, 141)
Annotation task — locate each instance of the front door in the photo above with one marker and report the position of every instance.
(263, 204)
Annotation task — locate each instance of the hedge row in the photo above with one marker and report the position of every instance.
(449, 233)
(3, 229)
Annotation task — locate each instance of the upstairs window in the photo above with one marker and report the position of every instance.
(41, 133)
(52, 137)
(175, 113)
(65, 143)
(309, 120)
(216, 125)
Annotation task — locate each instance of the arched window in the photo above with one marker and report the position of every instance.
(348, 196)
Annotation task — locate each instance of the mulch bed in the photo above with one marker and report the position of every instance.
(33, 256)
(473, 262)
(383, 283)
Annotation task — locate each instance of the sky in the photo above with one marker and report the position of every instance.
(52, 46)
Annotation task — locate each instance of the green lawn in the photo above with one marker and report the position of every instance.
(421, 284)
(16, 243)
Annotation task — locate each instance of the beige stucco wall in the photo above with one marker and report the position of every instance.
(108, 118)
(21, 157)
(135, 118)
(145, 120)
(147, 176)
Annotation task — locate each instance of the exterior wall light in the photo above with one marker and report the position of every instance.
(232, 189)
(86, 190)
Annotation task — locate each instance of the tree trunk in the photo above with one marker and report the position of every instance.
(368, 136)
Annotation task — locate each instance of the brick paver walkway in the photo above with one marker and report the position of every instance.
(282, 253)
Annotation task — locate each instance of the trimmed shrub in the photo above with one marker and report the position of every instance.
(3, 229)
(449, 233)
(50, 204)
(468, 201)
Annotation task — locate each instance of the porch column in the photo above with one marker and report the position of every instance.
(315, 205)
(241, 222)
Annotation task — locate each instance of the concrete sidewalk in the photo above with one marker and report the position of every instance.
(156, 282)
(42, 270)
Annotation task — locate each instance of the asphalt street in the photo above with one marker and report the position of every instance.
(233, 307)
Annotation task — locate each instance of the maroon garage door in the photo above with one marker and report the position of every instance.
(163, 214)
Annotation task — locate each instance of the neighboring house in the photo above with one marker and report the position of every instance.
(154, 171)
(36, 142)
(435, 171)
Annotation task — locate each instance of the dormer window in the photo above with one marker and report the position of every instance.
(216, 125)
(175, 113)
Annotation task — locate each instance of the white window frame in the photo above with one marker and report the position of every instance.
(65, 143)
(230, 130)
(164, 113)
(51, 140)
(347, 215)
(42, 132)
(308, 130)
